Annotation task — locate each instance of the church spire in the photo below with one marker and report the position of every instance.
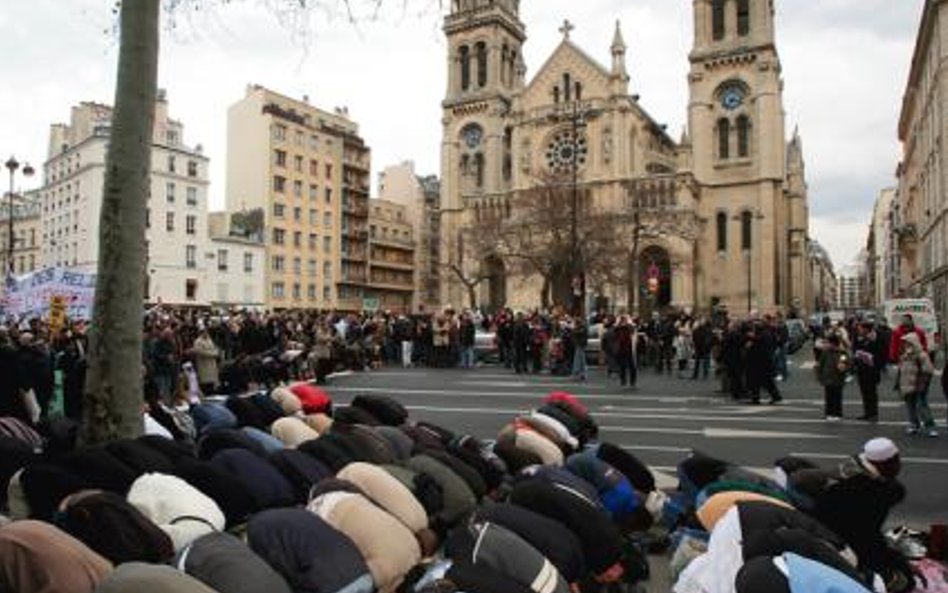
(618, 53)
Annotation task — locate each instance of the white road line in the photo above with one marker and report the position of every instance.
(658, 448)
(722, 433)
(834, 456)
(625, 397)
(704, 417)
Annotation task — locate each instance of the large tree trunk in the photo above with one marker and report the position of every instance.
(113, 398)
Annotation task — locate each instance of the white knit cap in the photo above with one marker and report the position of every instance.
(880, 449)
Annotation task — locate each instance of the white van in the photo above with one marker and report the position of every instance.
(922, 312)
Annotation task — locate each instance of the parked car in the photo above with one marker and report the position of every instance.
(485, 346)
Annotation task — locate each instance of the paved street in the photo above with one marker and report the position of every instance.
(666, 417)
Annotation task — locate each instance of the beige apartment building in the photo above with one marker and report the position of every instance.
(307, 170)
(176, 215)
(391, 257)
(722, 212)
(921, 210)
(420, 196)
(823, 284)
(27, 230)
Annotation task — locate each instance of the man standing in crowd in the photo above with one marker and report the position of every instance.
(467, 339)
(624, 341)
(869, 356)
(580, 339)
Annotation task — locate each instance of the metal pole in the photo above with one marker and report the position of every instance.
(574, 234)
(11, 166)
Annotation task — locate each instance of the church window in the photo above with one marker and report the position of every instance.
(743, 17)
(481, 49)
(579, 91)
(747, 220)
(717, 19)
(556, 94)
(722, 231)
(724, 138)
(465, 164)
(566, 87)
(479, 169)
(465, 57)
(503, 64)
(743, 136)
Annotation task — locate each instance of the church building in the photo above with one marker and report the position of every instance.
(718, 217)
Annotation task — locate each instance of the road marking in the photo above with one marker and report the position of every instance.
(659, 448)
(722, 433)
(834, 456)
(625, 397)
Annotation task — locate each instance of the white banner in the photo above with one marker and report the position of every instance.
(29, 296)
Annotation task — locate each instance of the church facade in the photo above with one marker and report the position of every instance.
(716, 217)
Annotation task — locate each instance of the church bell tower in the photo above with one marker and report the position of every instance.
(485, 71)
(736, 122)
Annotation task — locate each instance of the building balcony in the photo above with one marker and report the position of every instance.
(356, 209)
(358, 255)
(392, 265)
(392, 286)
(907, 235)
(356, 233)
(393, 243)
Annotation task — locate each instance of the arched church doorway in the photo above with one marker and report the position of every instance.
(653, 281)
(496, 273)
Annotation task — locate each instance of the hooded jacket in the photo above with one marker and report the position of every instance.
(915, 366)
(226, 564)
(388, 493)
(112, 527)
(36, 557)
(600, 539)
(293, 432)
(221, 486)
(179, 509)
(300, 470)
(389, 548)
(311, 555)
(261, 479)
(136, 577)
(485, 544)
(458, 499)
(549, 537)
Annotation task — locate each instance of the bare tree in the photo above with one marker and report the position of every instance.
(113, 391)
(537, 237)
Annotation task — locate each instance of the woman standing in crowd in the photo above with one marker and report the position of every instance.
(915, 375)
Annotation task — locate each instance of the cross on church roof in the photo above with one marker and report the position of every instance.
(567, 28)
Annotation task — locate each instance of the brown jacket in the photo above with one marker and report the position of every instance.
(388, 547)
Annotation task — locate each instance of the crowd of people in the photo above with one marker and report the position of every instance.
(189, 353)
(288, 491)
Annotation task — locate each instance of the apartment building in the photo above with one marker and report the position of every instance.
(922, 199)
(176, 217)
(27, 229)
(421, 196)
(238, 260)
(391, 257)
(307, 170)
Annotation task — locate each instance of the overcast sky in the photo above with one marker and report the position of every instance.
(845, 66)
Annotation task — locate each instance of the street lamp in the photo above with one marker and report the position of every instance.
(577, 118)
(13, 166)
(747, 219)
